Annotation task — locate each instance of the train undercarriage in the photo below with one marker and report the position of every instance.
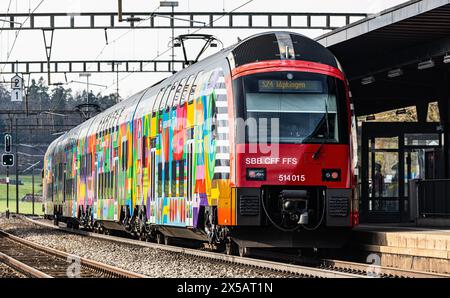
(286, 217)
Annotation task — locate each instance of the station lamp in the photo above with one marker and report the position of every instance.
(400, 111)
(370, 118)
(368, 80)
(447, 58)
(395, 73)
(425, 64)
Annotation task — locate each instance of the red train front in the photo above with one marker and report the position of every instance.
(294, 184)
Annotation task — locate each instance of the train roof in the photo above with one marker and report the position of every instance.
(273, 45)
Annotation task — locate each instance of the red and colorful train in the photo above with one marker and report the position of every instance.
(251, 147)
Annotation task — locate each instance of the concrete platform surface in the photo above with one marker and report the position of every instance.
(406, 246)
(405, 236)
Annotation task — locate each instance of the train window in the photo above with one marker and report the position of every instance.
(123, 155)
(99, 183)
(153, 172)
(309, 107)
(110, 183)
(144, 151)
(85, 165)
(181, 179)
(90, 164)
(113, 175)
(173, 184)
(157, 100)
(60, 171)
(160, 179)
(194, 87)
(176, 99)
(81, 166)
(186, 89)
(169, 99)
(102, 183)
(166, 179)
(164, 98)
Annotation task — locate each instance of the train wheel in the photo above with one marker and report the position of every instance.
(244, 251)
(160, 238)
(167, 240)
(97, 228)
(230, 248)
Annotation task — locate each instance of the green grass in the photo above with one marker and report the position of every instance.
(26, 188)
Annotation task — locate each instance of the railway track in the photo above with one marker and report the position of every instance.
(288, 270)
(369, 270)
(316, 268)
(35, 260)
(375, 271)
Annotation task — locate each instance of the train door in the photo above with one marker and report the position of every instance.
(153, 177)
(190, 191)
(116, 179)
(97, 191)
(64, 182)
(52, 187)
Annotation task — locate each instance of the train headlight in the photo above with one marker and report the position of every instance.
(256, 174)
(331, 175)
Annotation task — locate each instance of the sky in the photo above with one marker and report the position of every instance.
(143, 43)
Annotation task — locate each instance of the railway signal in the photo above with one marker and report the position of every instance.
(8, 160)
(7, 143)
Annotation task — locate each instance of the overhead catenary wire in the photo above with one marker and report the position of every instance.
(3, 26)
(107, 42)
(18, 32)
(170, 48)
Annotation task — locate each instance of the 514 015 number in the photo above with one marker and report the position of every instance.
(291, 178)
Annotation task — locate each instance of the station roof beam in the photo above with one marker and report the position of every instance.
(94, 66)
(179, 20)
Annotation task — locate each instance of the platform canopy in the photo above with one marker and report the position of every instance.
(396, 58)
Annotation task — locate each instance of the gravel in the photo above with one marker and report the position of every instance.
(8, 272)
(144, 260)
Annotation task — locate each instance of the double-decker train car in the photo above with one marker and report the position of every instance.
(251, 147)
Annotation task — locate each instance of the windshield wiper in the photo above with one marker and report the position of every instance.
(327, 135)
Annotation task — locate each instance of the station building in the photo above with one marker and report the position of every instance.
(398, 66)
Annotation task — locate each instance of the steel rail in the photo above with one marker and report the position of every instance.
(101, 267)
(22, 267)
(256, 263)
(378, 271)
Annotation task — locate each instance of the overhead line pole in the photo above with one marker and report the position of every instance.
(17, 170)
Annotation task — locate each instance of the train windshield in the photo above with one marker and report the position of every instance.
(294, 108)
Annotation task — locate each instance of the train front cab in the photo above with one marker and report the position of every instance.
(294, 178)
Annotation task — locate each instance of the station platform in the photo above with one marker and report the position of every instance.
(405, 246)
